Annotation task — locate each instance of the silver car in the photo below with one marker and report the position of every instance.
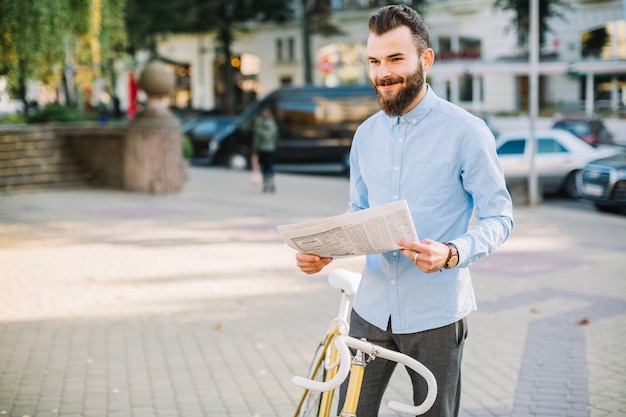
(559, 158)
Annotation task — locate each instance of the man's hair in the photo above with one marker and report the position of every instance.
(392, 17)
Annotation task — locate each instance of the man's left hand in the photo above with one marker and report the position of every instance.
(428, 255)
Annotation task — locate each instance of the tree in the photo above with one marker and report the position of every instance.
(40, 38)
(315, 20)
(30, 43)
(147, 20)
(520, 21)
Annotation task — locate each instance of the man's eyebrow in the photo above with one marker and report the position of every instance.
(396, 55)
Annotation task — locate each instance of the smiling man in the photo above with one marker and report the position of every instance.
(442, 160)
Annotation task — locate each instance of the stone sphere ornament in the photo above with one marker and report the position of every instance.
(157, 79)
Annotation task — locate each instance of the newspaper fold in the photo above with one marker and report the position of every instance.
(373, 230)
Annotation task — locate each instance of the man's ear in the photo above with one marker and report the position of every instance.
(428, 59)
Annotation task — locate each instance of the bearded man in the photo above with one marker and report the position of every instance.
(442, 160)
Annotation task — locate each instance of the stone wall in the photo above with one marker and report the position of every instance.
(98, 150)
(60, 156)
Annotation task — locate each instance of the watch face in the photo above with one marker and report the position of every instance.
(454, 259)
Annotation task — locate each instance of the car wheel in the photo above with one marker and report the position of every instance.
(237, 161)
(570, 189)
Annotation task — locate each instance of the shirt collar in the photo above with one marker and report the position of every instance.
(420, 111)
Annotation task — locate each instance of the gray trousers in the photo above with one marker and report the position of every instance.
(440, 350)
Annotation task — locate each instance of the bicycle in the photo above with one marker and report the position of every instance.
(333, 362)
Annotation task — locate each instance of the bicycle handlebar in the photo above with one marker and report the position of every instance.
(344, 342)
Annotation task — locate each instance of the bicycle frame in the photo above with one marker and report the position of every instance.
(347, 283)
(339, 362)
(343, 344)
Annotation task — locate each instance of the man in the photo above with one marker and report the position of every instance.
(442, 160)
(264, 144)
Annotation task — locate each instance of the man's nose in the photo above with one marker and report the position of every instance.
(383, 71)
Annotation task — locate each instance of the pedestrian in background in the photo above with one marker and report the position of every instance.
(443, 161)
(264, 144)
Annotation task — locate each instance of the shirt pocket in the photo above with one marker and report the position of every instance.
(432, 184)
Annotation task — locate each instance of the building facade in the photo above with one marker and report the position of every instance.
(479, 63)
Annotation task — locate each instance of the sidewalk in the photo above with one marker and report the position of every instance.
(127, 305)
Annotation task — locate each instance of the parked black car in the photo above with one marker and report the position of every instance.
(316, 126)
(604, 182)
(201, 130)
(591, 130)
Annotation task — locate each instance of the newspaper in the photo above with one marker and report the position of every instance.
(363, 232)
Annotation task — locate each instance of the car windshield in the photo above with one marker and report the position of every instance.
(512, 147)
(206, 127)
(577, 128)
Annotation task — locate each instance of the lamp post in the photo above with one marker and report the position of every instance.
(533, 195)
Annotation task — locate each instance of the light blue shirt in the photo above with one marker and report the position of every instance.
(443, 161)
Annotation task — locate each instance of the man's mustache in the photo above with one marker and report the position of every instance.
(389, 81)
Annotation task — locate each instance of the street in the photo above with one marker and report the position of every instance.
(189, 304)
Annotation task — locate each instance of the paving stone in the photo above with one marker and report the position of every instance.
(125, 305)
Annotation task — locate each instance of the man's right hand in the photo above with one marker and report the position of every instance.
(311, 264)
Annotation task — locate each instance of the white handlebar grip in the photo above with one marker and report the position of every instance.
(430, 381)
(342, 373)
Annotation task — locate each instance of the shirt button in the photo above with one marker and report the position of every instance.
(400, 140)
(396, 168)
(393, 282)
(395, 253)
(395, 197)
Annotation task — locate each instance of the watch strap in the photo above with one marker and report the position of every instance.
(453, 257)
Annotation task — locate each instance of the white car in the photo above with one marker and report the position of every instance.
(560, 156)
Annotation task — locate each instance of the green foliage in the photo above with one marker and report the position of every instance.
(148, 19)
(55, 113)
(17, 118)
(38, 36)
(187, 147)
(31, 37)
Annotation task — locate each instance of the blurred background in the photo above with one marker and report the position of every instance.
(305, 60)
(87, 54)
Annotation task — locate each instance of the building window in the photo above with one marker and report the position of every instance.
(466, 90)
(291, 48)
(445, 49)
(469, 48)
(458, 48)
(285, 50)
(279, 50)
(605, 42)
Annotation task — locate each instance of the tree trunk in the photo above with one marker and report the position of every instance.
(306, 44)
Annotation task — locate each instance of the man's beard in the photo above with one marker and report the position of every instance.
(399, 103)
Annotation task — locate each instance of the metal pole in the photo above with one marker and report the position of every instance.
(589, 102)
(533, 99)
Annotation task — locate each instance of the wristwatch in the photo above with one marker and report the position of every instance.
(453, 258)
